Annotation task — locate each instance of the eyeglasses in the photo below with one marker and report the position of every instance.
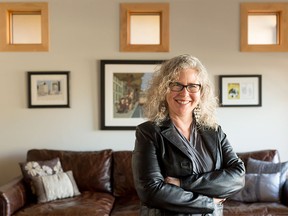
(191, 88)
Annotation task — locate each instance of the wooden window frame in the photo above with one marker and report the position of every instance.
(128, 9)
(281, 10)
(6, 9)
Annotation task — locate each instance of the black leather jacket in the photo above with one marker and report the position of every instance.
(159, 153)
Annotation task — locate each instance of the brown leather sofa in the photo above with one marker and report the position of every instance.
(105, 181)
(236, 208)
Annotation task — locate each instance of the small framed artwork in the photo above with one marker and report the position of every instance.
(123, 85)
(48, 89)
(240, 90)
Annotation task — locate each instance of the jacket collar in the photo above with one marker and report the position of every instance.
(169, 131)
(209, 137)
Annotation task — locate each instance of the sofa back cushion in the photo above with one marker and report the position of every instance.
(91, 169)
(123, 183)
(270, 155)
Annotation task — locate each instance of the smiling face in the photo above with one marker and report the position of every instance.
(182, 103)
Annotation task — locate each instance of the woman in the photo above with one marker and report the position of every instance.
(182, 162)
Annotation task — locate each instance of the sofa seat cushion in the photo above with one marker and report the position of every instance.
(235, 208)
(126, 206)
(88, 203)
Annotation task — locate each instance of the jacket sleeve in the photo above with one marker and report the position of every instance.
(224, 181)
(150, 185)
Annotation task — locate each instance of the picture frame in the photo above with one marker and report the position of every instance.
(240, 90)
(122, 92)
(48, 89)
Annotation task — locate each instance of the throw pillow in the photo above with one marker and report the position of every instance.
(259, 188)
(57, 186)
(258, 166)
(39, 168)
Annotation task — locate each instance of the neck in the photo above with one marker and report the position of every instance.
(183, 125)
(181, 120)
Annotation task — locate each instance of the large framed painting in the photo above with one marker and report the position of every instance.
(240, 90)
(123, 85)
(48, 89)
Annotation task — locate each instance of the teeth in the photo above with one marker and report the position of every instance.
(183, 102)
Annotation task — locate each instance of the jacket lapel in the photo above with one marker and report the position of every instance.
(211, 141)
(170, 133)
(209, 137)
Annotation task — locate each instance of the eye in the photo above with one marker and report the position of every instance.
(176, 84)
(193, 86)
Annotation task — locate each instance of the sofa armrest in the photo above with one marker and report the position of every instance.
(284, 198)
(12, 196)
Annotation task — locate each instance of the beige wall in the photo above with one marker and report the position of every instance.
(82, 32)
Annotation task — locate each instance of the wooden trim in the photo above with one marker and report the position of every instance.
(281, 9)
(5, 11)
(127, 9)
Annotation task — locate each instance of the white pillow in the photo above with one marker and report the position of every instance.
(57, 186)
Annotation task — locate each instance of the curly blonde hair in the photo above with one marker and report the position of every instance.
(156, 108)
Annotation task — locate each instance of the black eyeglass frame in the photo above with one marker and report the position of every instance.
(184, 86)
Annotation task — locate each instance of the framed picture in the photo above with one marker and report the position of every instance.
(123, 83)
(240, 90)
(48, 89)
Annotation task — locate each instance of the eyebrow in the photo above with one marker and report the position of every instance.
(188, 83)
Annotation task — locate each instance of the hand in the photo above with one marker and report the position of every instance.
(172, 180)
(218, 201)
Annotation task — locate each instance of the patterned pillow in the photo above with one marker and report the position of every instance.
(57, 186)
(259, 188)
(39, 168)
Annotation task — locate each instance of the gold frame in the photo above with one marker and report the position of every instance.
(128, 9)
(279, 9)
(5, 11)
